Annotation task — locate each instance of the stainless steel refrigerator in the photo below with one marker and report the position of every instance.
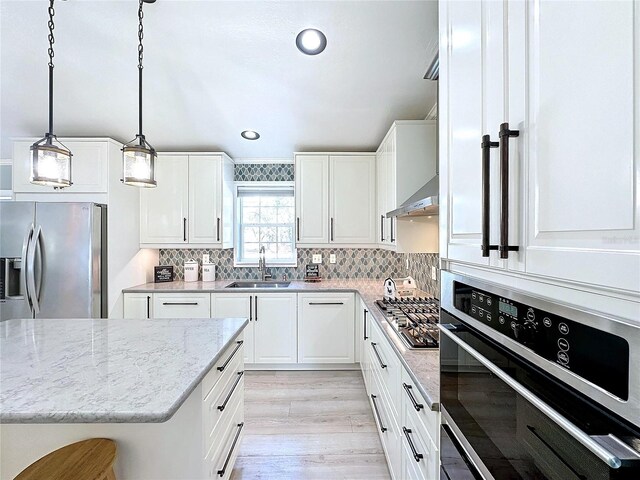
(53, 260)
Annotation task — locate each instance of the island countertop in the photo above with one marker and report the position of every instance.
(105, 371)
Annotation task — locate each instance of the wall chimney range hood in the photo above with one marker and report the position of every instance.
(422, 203)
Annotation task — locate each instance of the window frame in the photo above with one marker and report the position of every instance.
(238, 224)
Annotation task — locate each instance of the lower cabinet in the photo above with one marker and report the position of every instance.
(236, 305)
(138, 305)
(275, 328)
(181, 305)
(326, 328)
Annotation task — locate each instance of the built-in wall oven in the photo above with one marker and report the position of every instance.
(531, 389)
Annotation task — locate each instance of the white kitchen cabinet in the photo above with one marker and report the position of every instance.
(352, 200)
(138, 305)
(163, 209)
(181, 305)
(312, 198)
(275, 328)
(363, 336)
(326, 328)
(335, 199)
(89, 166)
(192, 204)
(239, 305)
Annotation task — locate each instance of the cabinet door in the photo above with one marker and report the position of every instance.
(583, 219)
(236, 305)
(138, 305)
(352, 200)
(89, 167)
(381, 193)
(276, 336)
(163, 210)
(312, 198)
(182, 305)
(205, 199)
(326, 328)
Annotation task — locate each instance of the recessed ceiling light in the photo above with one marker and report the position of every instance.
(250, 135)
(311, 41)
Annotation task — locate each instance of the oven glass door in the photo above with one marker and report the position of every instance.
(511, 437)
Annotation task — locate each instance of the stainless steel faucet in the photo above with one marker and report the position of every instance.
(262, 265)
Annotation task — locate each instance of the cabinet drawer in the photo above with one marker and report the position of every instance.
(383, 414)
(386, 364)
(173, 305)
(412, 400)
(224, 366)
(223, 453)
(414, 434)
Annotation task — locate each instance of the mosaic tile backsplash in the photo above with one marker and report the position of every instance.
(264, 172)
(351, 263)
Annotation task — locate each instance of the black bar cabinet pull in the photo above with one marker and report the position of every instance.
(416, 405)
(375, 408)
(218, 228)
(233, 389)
(255, 316)
(180, 303)
(416, 455)
(382, 228)
(486, 145)
(233, 446)
(365, 323)
(298, 228)
(393, 238)
(184, 229)
(505, 134)
(148, 306)
(331, 228)
(250, 307)
(375, 350)
(326, 303)
(235, 350)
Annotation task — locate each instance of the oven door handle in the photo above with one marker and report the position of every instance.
(583, 438)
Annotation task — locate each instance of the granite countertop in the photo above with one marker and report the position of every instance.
(423, 365)
(105, 371)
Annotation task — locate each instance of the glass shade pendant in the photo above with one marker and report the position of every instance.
(50, 159)
(138, 156)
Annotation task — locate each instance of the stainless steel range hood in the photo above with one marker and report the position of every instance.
(422, 203)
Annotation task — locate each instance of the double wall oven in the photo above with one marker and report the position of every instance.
(535, 390)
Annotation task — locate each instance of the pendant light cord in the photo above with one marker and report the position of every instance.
(52, 40)
(140, 54)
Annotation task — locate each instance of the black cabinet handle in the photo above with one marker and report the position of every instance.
(180, 303)
(250, 307)
(416, 405)
(326, 303)
(382, 228)
(229, 395)
(365, 323)
(184, 229)
(505, 134)
(235, 350)
(233, 446)
(375, 350)
(375, 408)
(416, 455)
(255, 316)
(148, 306)
(298, 228)
(218, 228)
(331, 228)
(486, 146)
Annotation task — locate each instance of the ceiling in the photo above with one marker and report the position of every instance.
(214, 68)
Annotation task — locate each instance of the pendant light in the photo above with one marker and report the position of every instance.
(50, 159)
(138, 156)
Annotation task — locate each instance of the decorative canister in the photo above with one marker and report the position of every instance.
(190, 271)
(208, 272)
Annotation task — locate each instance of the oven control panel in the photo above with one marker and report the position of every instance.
(598, 356)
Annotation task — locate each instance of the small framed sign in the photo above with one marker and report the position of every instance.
(312, 271)
(163, 273)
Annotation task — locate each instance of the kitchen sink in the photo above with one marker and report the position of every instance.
(258, 285)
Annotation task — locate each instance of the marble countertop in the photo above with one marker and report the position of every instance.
(423, 365)
(105, 371)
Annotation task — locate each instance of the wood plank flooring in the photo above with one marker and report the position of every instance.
(308, 425)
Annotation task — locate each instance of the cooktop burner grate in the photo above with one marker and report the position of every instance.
(415, 319)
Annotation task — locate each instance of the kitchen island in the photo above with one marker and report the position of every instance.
(150, 385)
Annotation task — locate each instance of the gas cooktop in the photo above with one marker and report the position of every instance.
(414, 318)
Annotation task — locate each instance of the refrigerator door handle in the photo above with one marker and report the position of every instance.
(23, 265)
(30, 272)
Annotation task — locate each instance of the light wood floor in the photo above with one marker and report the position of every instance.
(308, 425)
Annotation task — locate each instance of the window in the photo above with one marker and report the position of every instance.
(265, 218)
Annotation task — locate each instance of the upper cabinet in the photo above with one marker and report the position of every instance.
(405, 162)
(192, 204)
(559, 172)
(335, 199)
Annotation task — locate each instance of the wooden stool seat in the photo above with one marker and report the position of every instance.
(86, 460)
